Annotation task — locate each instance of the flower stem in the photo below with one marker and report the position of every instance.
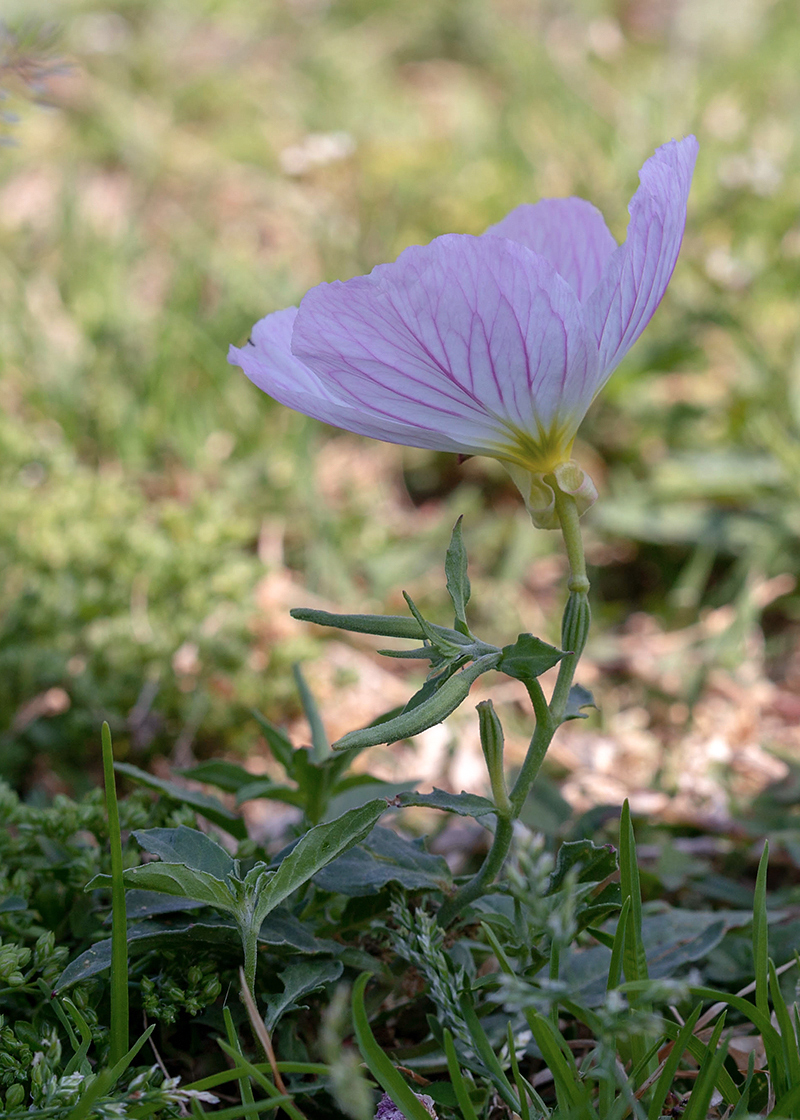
(577, 615)
(490, 867)
(549, 717)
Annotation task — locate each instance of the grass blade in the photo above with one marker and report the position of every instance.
(457, 1080)
(760, 938)
(245, 1087)
(320, 747)
(791, 1058)
(697, 1108)
(107, 1079)
(572, 1096)
(618, 948)
(664, 1083)
(484, 1050)
(276, 1095)
(119, 923)
(379, 1063)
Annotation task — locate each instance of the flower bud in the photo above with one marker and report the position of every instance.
(575, 623)
(15, 1096)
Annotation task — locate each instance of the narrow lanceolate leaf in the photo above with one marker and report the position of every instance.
(634, 958)
(528, 658)
(386, 626)
(444, 646)
(119, 938)
(436, 708)
(378, 1063)
(455, 569)
(318, 847)
(457, 1079)
(760, 936)
(464, 804)
(277, 741)
(667, 1076)
(320, 747)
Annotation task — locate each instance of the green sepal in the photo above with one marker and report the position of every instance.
(458, 585)
(528, 658)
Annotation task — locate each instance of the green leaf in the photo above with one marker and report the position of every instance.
(143, 936)
(634, 957)
(699, 1052)
(319, 847)
(433, 710)
(106, 1079)
(298, 981)
(188, 846)
(280, 928)
(464, 804)
(528, 658)
(455, 568)
(174, 879)
(320, 747)
(384, 858)
(485, 1052)
(705, 1083)
(227, 776)
(578, 699)
(12, 902)
(386, 626)
(667, 1076)
(760, 934)
(672, 939)
(269, 790)
(209, 807)
(596, 863)
(278, 742)
(790, 1059)
(572, 1096)
(118, 1031)
(378, 1063)
(457, 1079)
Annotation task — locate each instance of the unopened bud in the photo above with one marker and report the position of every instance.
(575, 623)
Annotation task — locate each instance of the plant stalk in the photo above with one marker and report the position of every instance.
(549, 717)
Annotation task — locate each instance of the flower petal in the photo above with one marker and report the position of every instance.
(467, 340)
(268, 361)
(568, 232)
(638, 273)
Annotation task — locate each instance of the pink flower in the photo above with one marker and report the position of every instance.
(493, 345)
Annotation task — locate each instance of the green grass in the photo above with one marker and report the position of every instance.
(146, 222)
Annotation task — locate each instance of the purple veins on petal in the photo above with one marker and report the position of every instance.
(494, 344)
(570, 233)
(472, 336)
(639, 271)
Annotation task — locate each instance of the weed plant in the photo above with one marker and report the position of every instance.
(171, 169)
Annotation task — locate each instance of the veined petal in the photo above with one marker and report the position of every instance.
(268, 361)
(568, 232)
(638, 273)
(474, 341)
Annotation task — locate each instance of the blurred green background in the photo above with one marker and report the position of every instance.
(175, 169)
